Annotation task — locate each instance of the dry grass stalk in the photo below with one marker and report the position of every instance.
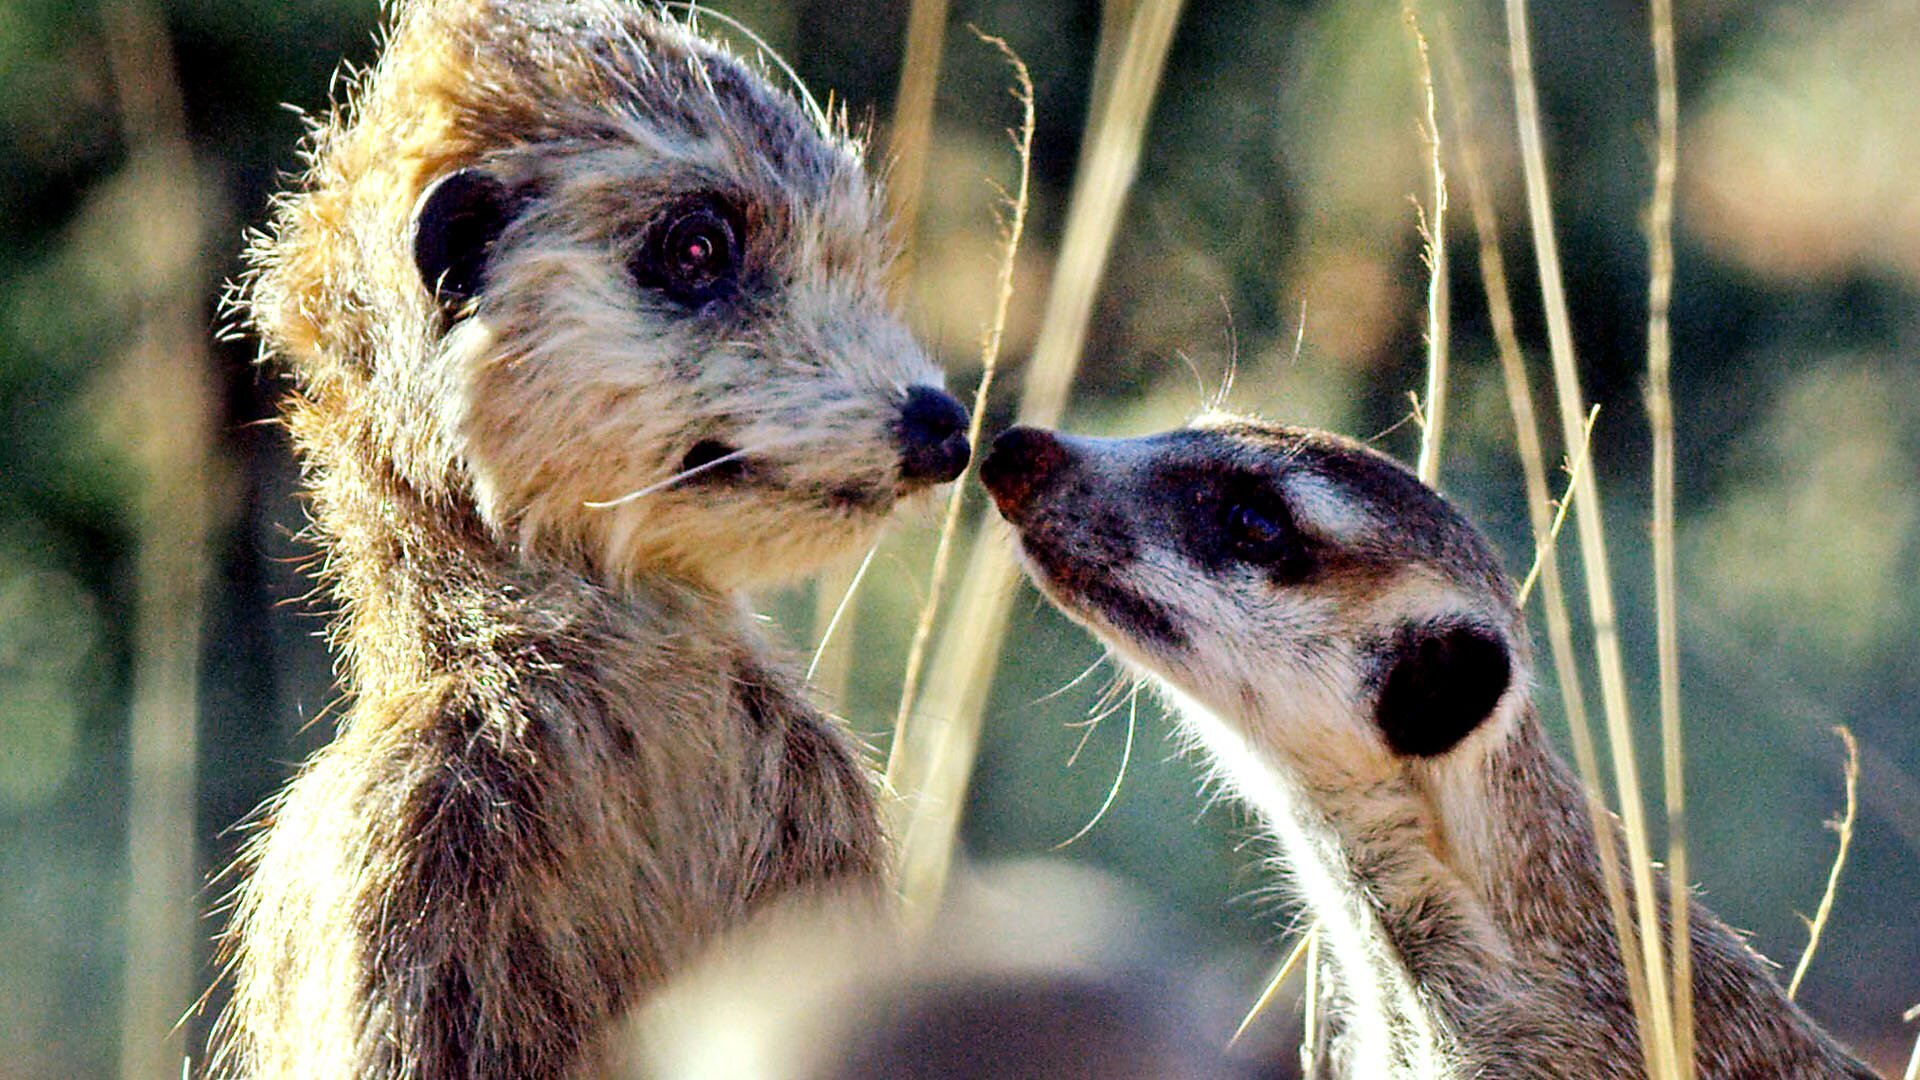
(830, 672)
(1913, 1062)
(1666, 589)
(911, 138)
(1543, 549)
(171, 403)
(1656, 1018)
(1540, 512)
(1013, 228)
(1434, 228)
(909, 143)
(1431, 410)
(831, 643)
(1313, 1033)
(1545, 523)
(1845, 828)
(1279, 979)
(933, 768)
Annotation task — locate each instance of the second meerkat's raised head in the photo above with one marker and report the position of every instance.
(1345, 647)
(557, 254)
(1307, 587)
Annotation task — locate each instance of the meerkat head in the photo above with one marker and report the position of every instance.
(1300, 587)
(572, 266)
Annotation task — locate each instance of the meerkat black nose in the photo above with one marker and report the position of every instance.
(1021, 463)
(933, 437)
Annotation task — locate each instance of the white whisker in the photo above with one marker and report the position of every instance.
(845, 602)
(1126, 756)
(688, 474)
(1075, 681)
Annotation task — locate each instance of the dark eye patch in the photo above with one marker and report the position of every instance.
(1228, 516)
(694, 252)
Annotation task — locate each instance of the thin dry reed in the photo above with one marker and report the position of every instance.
(909, 144)
(1431, 410)
(1654, 1012)
(1913, 1062)
(1313, 1032)
(1543, 549)
(1434, 228)
(1540, 511)
(1845, 828)
(1014, 227)
(1666, 588)
(165, 407)
(911, 139)
(1278, 980)
(932, 767)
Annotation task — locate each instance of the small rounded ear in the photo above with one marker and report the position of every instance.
(455, 224)
(1441, 681)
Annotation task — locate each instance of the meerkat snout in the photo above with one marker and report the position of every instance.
(1268, 572)
(1022, 461)
(933, 437)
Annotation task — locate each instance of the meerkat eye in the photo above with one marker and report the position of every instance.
(694, 254)
(1260, 531)
(1253, 531)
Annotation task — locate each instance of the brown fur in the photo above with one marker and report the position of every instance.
(569, 757)
(1458, 891)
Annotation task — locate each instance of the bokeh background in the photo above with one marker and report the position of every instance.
(1272, 229)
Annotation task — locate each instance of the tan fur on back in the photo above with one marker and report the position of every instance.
(568, 758)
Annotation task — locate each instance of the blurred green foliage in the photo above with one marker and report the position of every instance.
(1270, 230)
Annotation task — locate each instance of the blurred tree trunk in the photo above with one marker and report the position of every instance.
(165, 411)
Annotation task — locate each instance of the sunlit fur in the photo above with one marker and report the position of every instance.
(569, 757)
(1459, 895)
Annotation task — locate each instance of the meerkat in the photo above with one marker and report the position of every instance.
(1345, 649)
(586, 326)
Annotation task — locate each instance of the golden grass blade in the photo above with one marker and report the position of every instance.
(170, 427)
(1665, 582)
(1439, 322)
(1540, 511)
(1431, 411)
(989, 363)
(1280, 976)
(1913, 1062)
(931, 770)
(1656, 1019)
(909, 144)
(1310, 1025)
(830, 672)
(1845, 828)
(1543, 550)
(839, 611)
(911, 138)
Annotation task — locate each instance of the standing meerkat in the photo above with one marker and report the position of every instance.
(1346, 649)
(587, 329)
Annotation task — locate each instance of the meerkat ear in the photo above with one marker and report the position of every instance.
(1440, 681)
(455, 224)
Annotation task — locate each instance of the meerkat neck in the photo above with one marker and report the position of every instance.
(1462, 905)
(424, 586)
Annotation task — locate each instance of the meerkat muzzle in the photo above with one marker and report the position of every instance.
(933, 437)
(1022, 463)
